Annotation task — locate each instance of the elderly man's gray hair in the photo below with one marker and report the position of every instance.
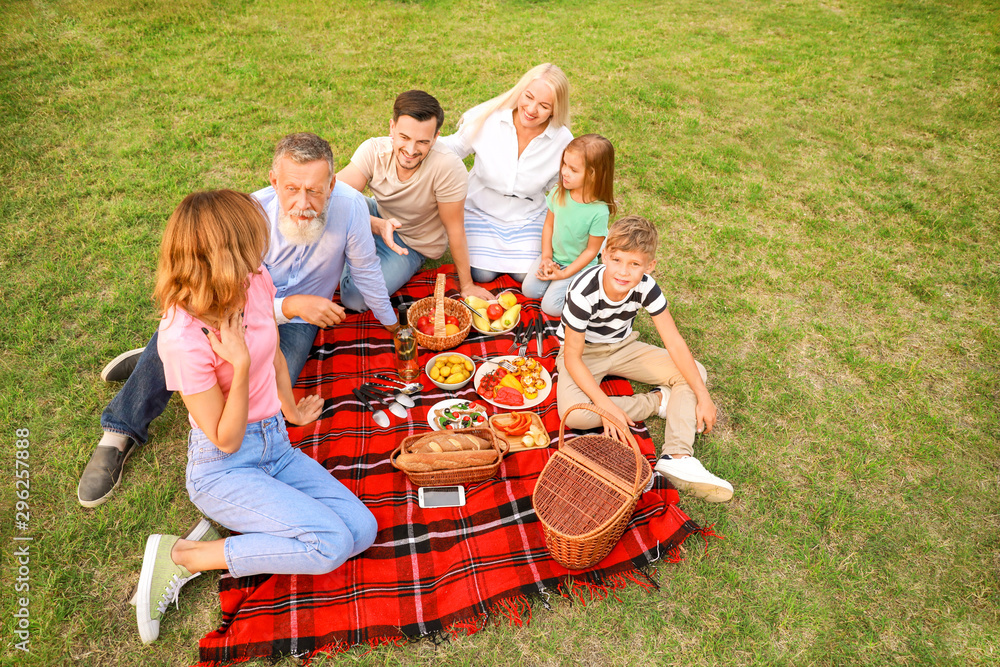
(303, 147)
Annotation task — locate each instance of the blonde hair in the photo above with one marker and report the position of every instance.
(212, 244)
(599, 170)
(547, 72)
(633, 233)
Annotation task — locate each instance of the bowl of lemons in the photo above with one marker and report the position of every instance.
(450, 370)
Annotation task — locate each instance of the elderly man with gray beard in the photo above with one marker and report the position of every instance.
(318, 226)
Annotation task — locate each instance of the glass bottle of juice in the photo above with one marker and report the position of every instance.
(406, 349)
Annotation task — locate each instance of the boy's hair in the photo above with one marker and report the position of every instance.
(212, 244)
(302, 148)
(418, 105)
(599, 163)
(633, 233)
(556, 80)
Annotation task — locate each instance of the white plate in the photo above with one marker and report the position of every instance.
(490, 366)
(497, 333)
(447, 403)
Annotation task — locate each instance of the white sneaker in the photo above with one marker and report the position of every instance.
(661, 412)
(688, 474)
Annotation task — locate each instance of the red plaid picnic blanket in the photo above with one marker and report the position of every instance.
(429, 570)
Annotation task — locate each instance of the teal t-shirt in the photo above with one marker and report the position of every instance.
(574, 224)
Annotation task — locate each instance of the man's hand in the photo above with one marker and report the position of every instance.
(472, 289)
(385, 227)
(306, 410)
(704, 415)
(313, 309)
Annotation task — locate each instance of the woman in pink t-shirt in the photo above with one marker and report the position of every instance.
(218, 341)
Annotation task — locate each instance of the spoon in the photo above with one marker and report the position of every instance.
(394, 407)
(379, 416)
(405, 387)
(382, 390)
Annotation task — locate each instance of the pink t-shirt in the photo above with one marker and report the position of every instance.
(191, 366)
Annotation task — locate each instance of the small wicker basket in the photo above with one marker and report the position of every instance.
(439, 341)
(587, 492)
(458, 475)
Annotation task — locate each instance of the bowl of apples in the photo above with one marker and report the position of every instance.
(495, 317)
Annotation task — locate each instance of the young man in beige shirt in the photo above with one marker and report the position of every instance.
(419, 188)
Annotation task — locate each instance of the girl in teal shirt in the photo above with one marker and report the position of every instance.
(577, 221)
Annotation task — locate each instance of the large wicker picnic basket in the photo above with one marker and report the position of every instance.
(457, 475)
(587, 492)
(443, 306)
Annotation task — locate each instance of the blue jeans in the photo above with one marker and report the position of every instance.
(294, 516)
(144, 396)
(487, 276)
(396, 269)
(551, 292)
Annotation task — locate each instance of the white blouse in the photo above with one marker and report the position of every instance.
(502, 185)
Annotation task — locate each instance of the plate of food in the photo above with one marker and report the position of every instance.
(529, 385)
(520, 430)
(455, 413)
(495, 317)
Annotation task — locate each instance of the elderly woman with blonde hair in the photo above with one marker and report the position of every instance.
(518, 139)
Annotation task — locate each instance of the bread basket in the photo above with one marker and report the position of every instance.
(443, 306)
(456, 475)
(587, 491)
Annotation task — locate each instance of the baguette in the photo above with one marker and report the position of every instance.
(448, 442)
(445, 460)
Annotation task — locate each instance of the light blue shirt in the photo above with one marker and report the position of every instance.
(316, 268)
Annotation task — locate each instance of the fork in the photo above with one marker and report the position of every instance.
(527, 339)
(518, 334)
(502, 363)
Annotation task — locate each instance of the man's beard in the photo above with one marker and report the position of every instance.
(399, 161)
(302, 234)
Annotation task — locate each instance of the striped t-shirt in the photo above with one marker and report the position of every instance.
(589, 310)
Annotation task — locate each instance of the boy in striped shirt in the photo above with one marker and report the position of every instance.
(598, 340)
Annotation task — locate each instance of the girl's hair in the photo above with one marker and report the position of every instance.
(213, 242)
(599, 170)
(547, 72)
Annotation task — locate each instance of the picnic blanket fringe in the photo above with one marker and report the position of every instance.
(517, 610)
(224, 663)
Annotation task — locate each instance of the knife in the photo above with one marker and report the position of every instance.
(527, 336)
(382, 390)
(540, 333)
(518, 330)
(393, 407)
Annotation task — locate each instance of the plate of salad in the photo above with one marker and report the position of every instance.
(455, 413)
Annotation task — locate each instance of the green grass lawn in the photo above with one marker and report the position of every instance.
(824, 176)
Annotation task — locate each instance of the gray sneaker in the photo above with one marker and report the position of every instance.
(103, 473)
(120, 368)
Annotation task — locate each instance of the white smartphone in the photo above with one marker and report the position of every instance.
(441, 496)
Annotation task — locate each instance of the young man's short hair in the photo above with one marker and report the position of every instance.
(633, 233)
(418, 105)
